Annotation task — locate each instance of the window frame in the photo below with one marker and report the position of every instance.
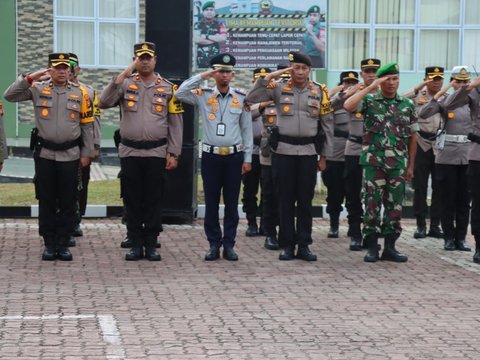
(96, 20)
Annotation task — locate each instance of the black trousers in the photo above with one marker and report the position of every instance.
(221, 175)
(251, 182)
(455, 200)
(423, 169)
(473, 174)
(333, 178)
(269, 202)
(56, 190)
(142, 184)
(294, 177)
(353, 189)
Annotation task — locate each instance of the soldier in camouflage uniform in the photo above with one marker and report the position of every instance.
(210, 33)
(388, 155)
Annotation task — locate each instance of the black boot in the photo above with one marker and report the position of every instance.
(136, 252)
(63, 253)
(461, 245)
(271, 243)
(372, 248)
(449, 244)
(389, 252)
(287, 253)
(476, 257)
(229, 254)
(333, 231)
(421, 231)
(151, 252)
(304, 253)
(252, 229)
(355, 237)
(212, 254)
(49, 251)
(435, 230)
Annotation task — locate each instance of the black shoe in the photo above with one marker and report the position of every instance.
(287, 254)
(230, 254)
(372, 248)
(271, 243)
(64, 254)
(252, 230)
(48, 254)
(77, 231)
(126, 243)
(356, 243)
(135, 253)
(393, 255)
(152, 255)
(212, 254)
(72, 242)
(420, 233)
(304, 253)
(461, 245)
(435, 232)
(333, 232)
(449, 245)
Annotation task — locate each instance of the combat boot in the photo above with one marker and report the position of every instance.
(49, 251)
(271, 243)
(476, 257)
(287, 253)
(151, 252)
(421, 231)
(136, 252)
(355, 237)
(252, 229)
(449, 245)
(63, 253)
(461, 245)
(435, 230)
(372, 248)
(389, 252)
(304, 253)
(333, 231)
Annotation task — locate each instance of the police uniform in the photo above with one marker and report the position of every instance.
(333, 176)
(64, 119)
(425, 161)
(451, 164)
(3, 139)
(389, 125)
(84, 172)
(302, 114)
(226, 144)
(353, 175)
(251, 180)
(151, 127)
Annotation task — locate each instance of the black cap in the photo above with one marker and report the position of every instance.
(348, 75)
(223, 61)
(144, 48)
(370, 63)
(261, 72)
(432, 72)
(298, 57)
(56, 59)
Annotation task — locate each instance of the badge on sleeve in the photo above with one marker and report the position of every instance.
(221, 129)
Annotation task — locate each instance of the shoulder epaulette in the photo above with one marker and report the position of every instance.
(240, 91)
(75, 85)
(167, 81)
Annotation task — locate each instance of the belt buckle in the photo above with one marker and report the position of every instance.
(223, 150)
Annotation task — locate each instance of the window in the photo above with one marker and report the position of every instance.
(415, 33)
(100, 32)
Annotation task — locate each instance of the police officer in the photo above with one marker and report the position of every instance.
(3, 139)
(84, 172)
(64, 119)
(226, 149)
(251, 180)
(387, 158)
(333, 176)
(304, 120)
(425, 157)
(151, 140)
(451, 162)
(353, 170)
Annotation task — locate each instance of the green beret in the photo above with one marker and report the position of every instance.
(388, 69)
(208, 4)
(314, 9)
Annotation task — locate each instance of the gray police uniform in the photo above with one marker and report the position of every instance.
(226, 144)
(294, 161)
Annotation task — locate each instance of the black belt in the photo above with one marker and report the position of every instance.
(340, 133)
(427, 135)
(41, 142)
(296, 140)
(145, 145)
(356, 139)
(256, 141)
(474, 138)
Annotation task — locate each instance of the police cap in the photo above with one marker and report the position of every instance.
(208, 4)
(348, 75)
(285, 75)
(432, 72)
(261, 72)
(461, 73)
(370, 63)
(298, 57)
(56, 59)
(144, 48)
(223, 61)
(388, 69)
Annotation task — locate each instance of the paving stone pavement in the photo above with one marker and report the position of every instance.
(101, 307)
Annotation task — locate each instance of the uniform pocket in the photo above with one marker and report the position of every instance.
(130, 102)
(286, 105)
(44, 108)
(313, 107)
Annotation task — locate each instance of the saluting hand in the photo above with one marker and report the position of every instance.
(351, 90)
(209, 74)
(422, 85)
(276, 74)
(126, 73)
(377, 82)
(40, 75)
(246, 167)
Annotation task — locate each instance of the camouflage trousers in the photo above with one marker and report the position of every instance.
(382, 187)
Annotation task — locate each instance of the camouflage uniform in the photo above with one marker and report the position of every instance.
(206, 52)
(388, 126)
